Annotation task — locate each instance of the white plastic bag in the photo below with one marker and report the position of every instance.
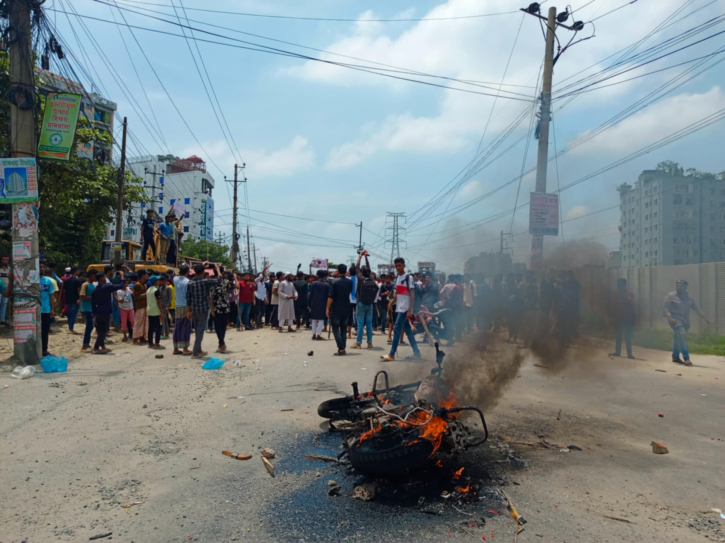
(21, 372)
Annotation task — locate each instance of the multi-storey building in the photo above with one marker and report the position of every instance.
(489, 264)
(668, 218)
(172, 182)
(95, 110)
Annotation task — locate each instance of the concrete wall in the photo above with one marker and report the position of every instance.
(651, 285)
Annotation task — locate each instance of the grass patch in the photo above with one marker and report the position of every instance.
(704, 343)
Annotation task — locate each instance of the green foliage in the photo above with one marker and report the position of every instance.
(670, 167)
(207, 250)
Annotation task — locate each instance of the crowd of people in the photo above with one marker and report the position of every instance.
(351, 303)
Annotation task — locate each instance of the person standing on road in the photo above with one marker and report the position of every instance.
(287, 295)
(72, 289)
(101, 301)
(300, 284)
(260, 298)
(624, 317)
(197, 298)
(153, 309)
(182, 327)
(319, 293)
(86, 307)
(404, 303)
(367, 293)
(48, 295)
(4, 275)
(124, 298)
(165, 303)
(139, 295)
(275, 280)
(247, 299)
(338, 308)
(677, 308)
(220, 310)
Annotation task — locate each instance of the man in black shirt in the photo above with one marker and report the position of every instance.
(301, 314)
(147, 235)
(338, 308)
(72, 295)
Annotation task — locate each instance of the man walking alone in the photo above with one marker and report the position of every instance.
(338, 308)
(404, 302)
(677, 310)
(182, 328)
(197, 297)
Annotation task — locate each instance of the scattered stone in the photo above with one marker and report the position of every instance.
(268, 453)
(159, 356)
(268, 465)
(658, 448)
(574, 448)
(311, 353)
(331, 482)
(365, 492)
(334, 491)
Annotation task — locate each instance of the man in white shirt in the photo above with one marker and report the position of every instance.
(404, 303)
(469, 295)
(261, 295)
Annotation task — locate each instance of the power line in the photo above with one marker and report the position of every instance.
(332, 19)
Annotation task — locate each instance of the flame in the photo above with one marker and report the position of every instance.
(464, 488)
(439, 463)
(431, 427)
(457, 474)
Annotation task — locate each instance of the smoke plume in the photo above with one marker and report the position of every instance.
(480, 371)
(575, 254)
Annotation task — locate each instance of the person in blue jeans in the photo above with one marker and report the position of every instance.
(86, 308)
(72, 287)
(367, 292)
(404, 303)
(677, 308)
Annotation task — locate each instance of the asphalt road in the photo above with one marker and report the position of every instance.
(128, 428)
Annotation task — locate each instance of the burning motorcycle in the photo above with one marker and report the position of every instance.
(394, 429)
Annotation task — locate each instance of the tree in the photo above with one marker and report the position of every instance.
(207, 250)
(670, 167)
(78, 197)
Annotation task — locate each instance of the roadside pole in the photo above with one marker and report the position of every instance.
(26, 298)
(121, 188)
(542, 160)
(249, 256)
(234, 253)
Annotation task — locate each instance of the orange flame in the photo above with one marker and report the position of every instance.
(464, 488)
(457, 474)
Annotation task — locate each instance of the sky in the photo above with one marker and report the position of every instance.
(328, 147)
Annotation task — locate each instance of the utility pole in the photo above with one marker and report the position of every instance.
(234, 252)
(121, 185)
(360, 243)
(27, 343)
(249, 256)
(501, 248)
(254, 251)
(153, 188)
(552, 21)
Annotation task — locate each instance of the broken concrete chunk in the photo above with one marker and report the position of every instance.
(659, 448)
(365, 492)
(244, 456)
(268, 453)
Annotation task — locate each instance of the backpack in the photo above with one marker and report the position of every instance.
(367, 291)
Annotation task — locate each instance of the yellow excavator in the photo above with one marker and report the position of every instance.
(131, 256)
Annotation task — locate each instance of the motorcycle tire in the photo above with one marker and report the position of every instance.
(334, 408)
(389, 455)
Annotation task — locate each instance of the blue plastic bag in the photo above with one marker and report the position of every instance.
(213, 364)
(52, 364)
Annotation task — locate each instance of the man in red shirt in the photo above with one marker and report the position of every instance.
(246, 299)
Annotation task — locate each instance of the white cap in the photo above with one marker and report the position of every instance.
(68, 269)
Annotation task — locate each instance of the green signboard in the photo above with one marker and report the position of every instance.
(59, 125)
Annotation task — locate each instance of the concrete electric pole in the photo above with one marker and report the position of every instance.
(234, 252)
(542, 160)
(121, 185)
(26, 300)
(249, 254)
(360, 243)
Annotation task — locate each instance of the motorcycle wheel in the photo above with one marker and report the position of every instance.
(334, 408)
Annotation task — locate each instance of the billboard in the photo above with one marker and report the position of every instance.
(206, 219)
(18, 180)
(59, 125)
(544, 214)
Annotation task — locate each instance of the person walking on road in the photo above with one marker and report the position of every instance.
(338, 308)
(86, 307)
(624, 318)
(141, 317)
(404, 303)
(154, 311)
(220, 310)
(102, 311)
(677, 310)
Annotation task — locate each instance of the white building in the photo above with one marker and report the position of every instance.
(171, 182)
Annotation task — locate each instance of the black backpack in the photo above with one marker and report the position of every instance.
(367, 291)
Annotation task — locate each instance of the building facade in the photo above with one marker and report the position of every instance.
(183, 185)
(95, 110)
(671, 219)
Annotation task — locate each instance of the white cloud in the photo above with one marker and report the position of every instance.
(470, 189)
(655, 122)
(466, 49)
(296, 157)
(576, 211)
